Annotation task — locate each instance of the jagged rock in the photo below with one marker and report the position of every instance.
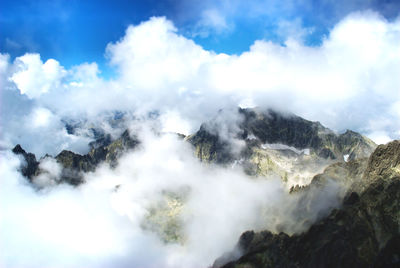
(363, 233)
(118, 147)
(275, 144)
(355, 145)
(209, 147)
(71, 160)
(384, 163)
(29, 168)
(74, 165)
(273, 127)
(270, 127)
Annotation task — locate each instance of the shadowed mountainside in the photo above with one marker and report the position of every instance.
(364, 232)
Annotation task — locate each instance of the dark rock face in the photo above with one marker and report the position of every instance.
(363, 233)
(29, 168)
(272, 127)
(210, 147)
(74, 165)
(113, 151)
(275, 128)
(384, 162)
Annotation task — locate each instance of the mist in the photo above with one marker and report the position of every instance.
(161, 206)
(105, 222)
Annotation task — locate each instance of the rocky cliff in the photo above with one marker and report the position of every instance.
(268, 143)
(364, 232)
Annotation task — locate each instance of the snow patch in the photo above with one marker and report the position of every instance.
(251, 137)
(280, 146)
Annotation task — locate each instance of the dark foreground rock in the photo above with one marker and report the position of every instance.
(363, 233)
(30, 165)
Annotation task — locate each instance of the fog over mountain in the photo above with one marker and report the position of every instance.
(170, 161)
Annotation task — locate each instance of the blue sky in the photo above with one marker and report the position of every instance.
(78, 31)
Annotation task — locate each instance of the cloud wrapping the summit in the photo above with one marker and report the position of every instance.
(354, 67)
(160, 70)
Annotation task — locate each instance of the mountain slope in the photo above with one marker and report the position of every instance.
(268, 143)
(365, 232)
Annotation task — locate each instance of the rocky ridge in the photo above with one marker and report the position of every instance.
(364, 232)
(270, 144)
(276, 144)
(73, 164)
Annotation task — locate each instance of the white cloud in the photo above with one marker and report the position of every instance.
(353, 68)
(212, 21)
(97, 225)
(164, 57)
(34, 78)
(158, 69)
(293, 29)
(350, 81)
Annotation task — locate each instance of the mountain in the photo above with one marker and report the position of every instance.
(264, 143)
(277, 144)
(364, 232)
(73, 164)
(306, 156)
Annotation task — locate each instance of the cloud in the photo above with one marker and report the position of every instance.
(211, 21)
(352, 68)
(34, 78)
(293, 29)
(167, 82)
(12, 45)
(101, 225)
(161, 70)
(322, 15)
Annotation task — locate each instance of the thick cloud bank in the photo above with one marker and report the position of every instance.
(100, 223)
(350, 81)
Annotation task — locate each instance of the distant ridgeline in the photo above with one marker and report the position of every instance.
(363, 232)
(73, 164)
(264, 143)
